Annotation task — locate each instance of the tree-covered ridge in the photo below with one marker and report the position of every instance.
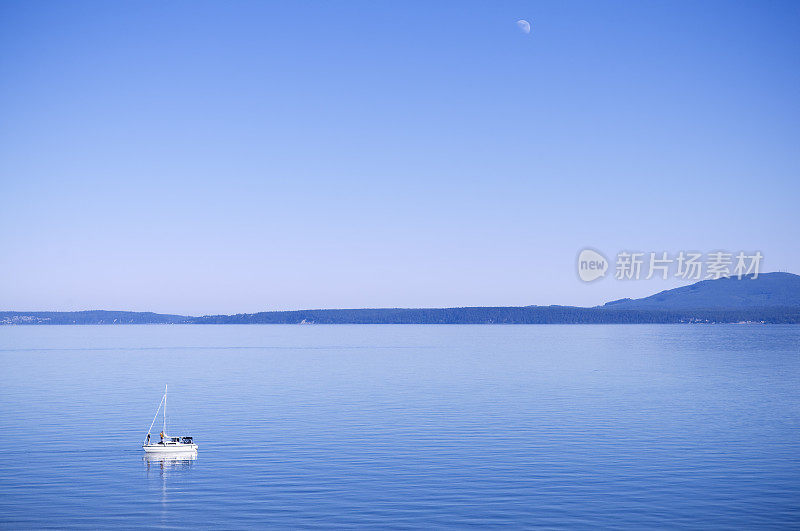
(770, 298)
(507, 315)
(91, 317)
(476, 315)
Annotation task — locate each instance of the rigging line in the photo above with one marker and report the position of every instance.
(155, 417)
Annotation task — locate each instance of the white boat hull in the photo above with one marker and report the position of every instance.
(169, 448)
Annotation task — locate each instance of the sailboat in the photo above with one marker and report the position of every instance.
(167, 444)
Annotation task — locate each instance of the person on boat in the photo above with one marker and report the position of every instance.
(148, 438)
(162, 437)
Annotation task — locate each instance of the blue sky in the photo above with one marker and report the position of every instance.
(219, 157)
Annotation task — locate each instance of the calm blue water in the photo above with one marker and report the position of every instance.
(403, 426)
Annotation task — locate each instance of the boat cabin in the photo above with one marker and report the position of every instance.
(176, 440)
(169, 441)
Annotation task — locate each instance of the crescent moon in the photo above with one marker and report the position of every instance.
(524, 26)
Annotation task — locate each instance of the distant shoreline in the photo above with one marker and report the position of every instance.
(771, 298)
(468, 315)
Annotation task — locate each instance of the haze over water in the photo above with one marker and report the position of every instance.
(403, 426)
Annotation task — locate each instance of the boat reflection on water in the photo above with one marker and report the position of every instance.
(169, 462)
(170, 466)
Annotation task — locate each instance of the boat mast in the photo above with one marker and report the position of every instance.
(165, 410)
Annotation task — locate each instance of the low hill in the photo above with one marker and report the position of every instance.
(509, 315)
(90, 317)
(768, 290)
